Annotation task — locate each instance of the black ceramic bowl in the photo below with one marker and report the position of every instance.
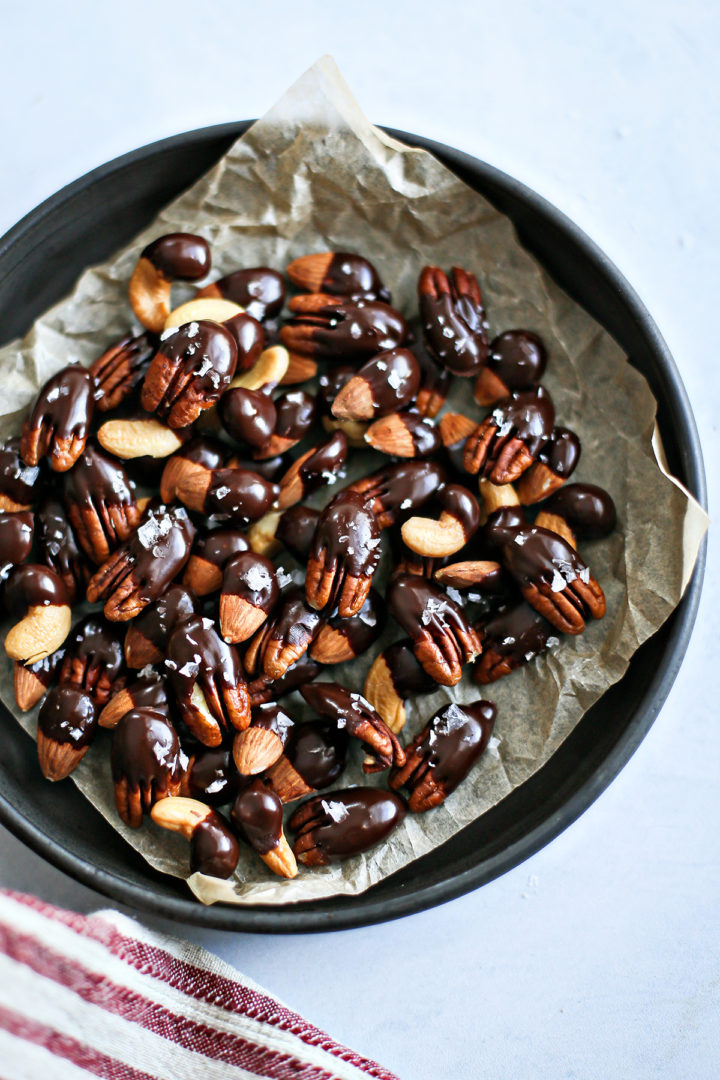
(83, 224)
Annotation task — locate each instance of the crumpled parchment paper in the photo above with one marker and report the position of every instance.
(312, 175)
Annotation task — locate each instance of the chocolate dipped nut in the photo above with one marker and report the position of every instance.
(269, 370)
(285, 637)
(259, 746)
(443, 639)
(314, 757)
(148, 691)
(260, 290)
(58, 548)
(296, 413)
(19, 483)
(214, 851)
(344, 556)
(507, 442)
(39, 596)
(100, 503)
(510, 639)
(458, 522)
(344, 823)
(248, 416)
(121, 368)
(211, 776)
(313, 469)
(454, 431)
(393, 492)
(383, 385)
(94, 660)
(553, 579)
(516, 361)
(198, 455)
(232, 494)
(435, 382)
(59, 421)
(588, 509)
(345, 329)
(453, 318)
(31, 681)
(444, 752)
(173, 257)
(257, 815)
(296, 528)
(66, 726)
(263, 689)
(484, 574)
(147, 635)
(16, 539)
(338, 273)
(342, 639)
(139, 572)
(249, 593)
(249, 339)
(146, 761)
(354, 714)
(206, 678)
(556, 462)
(191, 369)
(211, 552)
(394, 676)
(503, 514)
(404, 434)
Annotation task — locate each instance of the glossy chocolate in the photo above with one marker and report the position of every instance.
(296, 529)
(456, 500)
(293, 619)
(296, 413)
(518, 358)
(424, 434)
(353, 329)
(121, 368)
(346, 822)
(252, 577)
(326, 460)
(145, 750)
(257, 814)
(561, 452)
(212, 776)
(420, 607)
(68, 715)
(264, 689)
(348, 274)
(399, 490)
(213, 850)
(220, 545)
(248, 416)
(317, 750)
(19, 483)
(537, 555)
(528, 415)
(249, 338)
(588, 509)
(16, 539)
(62, 412)
(33, 585)
(210, 453)
(331, 383)
(198, 360)
(149, 692)
(197, 654)
(44, 670)
(260, 290)
(97, 480)
(518, 633)
(453, 740)
(239, 495)
(57, 546)
(359, 631)
(179, 255)
(349, 535)
(454, 324)
(94, 657)
(273, 717)
(158, 621)
(408, 676)
(502, 525)
(393, 379)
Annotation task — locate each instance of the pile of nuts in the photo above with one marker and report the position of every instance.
(201, 635)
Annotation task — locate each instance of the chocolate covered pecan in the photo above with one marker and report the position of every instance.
(147, 635)
(344, 823)
(265, 689)
(354, 714)
(94, 660)
(344, 556)
(191, 369)
(285, 637)
(121, 368)
(59, 421)
(395, 491)
(58, 548)
(507, 442)
(510, 639)
(350, 329)
(443, 639)
(100, 503)
(146, 761)
(453, 318)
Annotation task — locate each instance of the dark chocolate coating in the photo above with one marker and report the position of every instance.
(68, 715)
(257, 814)
(409, 484)
(393, 378)
(454, 739)
(213, 777)
(271, 469)
(16, 538)
(145, 750)
(158, 621)
(454, 330)
(356, 329)
(65, 405)
(418, 605)
(588, 509)
(260, 290)
(58, 547)
(150, 692)
(95, 644)
(213, 849)
(204, 451)
(502, 525)
(197, 654)
(252, 577)
(317, 750)
(33, 585)
(18, 481)
(296, 529)
(561, 452)
(518, 633)
(327, 459)
(331, 383)
(273, 717)
(249, 338)
(158, 550)
(248, 416)
(361, 630)
(44, 670)
(304, 670)
(518, 358)
(204, 351)
(348, 532)
(347, 822)
(460, 503)
(535, 555)
(528, 415)
(219, 545)
(296, 412)
(352, 275)
(239, 494)
(97, 479)
(425, 435)
(293, 619)
(408, 676)
(179, 255)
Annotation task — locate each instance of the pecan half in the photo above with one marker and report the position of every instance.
(121, 368)
(553, 579)
(173, 257)
(190, 371)
(443, 639)
(146, 762)
(355, 715)
(147, 635)
(59, 422)
(453, 318)
(100, 503)
(142, 568)
(349, 329)
(443, 753)
(344, 823)
(396, 490)
(207, 681)
(58, 548)
(285, 637)
(510, 639)
(94, 660)
(507, 442)
(344, 556)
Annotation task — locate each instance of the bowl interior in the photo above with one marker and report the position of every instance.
(39, 261)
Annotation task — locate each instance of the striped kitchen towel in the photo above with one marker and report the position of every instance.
(101, 996)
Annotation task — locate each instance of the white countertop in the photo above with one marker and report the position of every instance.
(598, 957)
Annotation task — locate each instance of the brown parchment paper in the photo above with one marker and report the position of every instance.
(314, 174)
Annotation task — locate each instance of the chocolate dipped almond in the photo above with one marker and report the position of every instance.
(66, 726)
(385, 384)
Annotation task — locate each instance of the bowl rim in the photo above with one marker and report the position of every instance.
(301, 917)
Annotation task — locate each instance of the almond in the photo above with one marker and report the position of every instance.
(239, 619)
(558, 525)
(299, 369)
(488, 388)
(537, 482)
(255, 749)
(308, 271)
(27, 686)
(454, 427)
(286, 781)
(57, 760)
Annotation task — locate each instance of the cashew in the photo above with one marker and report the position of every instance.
(138, 438)
(39, 633)
(434, 539)
(269, 368)
(214, 310)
